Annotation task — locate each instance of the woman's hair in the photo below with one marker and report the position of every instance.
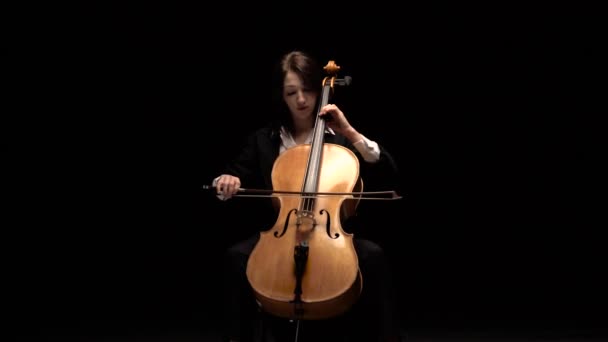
(307, 68)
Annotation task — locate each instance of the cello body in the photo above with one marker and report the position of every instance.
(331, 281)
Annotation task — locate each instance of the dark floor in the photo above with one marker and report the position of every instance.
(413, 337)
(147, 331)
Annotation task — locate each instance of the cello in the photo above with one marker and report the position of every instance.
(305, 266)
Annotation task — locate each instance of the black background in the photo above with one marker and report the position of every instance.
(488, 111)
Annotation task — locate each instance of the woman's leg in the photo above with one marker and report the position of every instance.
(239, 303)
(374, 312)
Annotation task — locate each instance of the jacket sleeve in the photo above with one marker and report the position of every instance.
(253, 164)
(243, 165)
(382, 175)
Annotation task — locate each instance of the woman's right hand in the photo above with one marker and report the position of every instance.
(227, 185)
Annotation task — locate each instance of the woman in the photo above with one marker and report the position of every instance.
(299, 85)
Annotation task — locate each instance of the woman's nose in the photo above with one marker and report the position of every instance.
(301, 98)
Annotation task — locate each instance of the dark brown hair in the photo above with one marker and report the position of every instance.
(307, 68)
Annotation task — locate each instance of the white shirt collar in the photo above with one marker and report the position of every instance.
(287, 140)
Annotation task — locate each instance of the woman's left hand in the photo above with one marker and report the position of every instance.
(337, 120)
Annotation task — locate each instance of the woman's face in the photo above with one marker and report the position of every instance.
(301, 101)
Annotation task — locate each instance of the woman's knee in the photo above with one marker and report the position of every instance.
(369, 251)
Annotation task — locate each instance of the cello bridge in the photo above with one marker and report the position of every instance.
(305, 224)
